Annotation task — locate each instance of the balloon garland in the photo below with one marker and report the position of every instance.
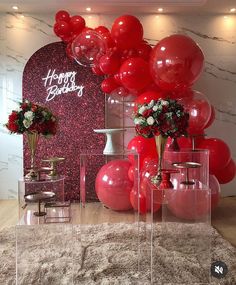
(131, 65)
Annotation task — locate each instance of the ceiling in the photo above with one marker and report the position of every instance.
(119, 6)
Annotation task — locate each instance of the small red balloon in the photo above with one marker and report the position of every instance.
(144, 51)
(62, 16)
(109, 64)
(134, 74)
(77, 24)
(127, 32)
(176, 62)
(102, 30)
(109, 85)
(227, 174)
(61, 28)
(219, 153)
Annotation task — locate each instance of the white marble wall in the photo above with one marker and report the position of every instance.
(21, 36)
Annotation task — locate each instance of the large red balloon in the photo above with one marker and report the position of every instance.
(189, 204)
(138, 201)
(113, 185)
(219, 153)
(212, 118)
(226, 174)
(127, 32)
(134, 73)
(199, 109)
(144, 147)
(176, 62)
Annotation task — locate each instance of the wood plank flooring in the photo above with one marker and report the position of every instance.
(223, 218)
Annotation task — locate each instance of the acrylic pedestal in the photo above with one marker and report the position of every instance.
(184, 235)
(109, 225)
(41, 248)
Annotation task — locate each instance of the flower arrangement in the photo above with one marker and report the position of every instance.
(32, 118)
(162, 117)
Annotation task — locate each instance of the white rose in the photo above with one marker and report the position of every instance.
(142, 109)
(150, 105)
(150, 121)
(29, 115)
(27, 123)
(138, 121)
(155, 108)
(44, 113)
(164, 103)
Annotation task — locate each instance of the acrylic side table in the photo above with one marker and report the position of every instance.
(40, 245)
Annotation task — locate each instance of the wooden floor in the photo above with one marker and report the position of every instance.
(223, 218)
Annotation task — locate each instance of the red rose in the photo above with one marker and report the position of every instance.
(144, 131)
(147, 113)
(13, 116)
(24, 106)
(13, 127)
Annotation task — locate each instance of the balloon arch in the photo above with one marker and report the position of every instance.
(131, 65)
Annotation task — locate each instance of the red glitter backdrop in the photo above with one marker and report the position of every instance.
(73, 93)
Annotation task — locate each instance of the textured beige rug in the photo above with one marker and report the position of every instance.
(107, 254)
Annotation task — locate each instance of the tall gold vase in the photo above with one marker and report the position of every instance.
(160, 145)
(33, 139)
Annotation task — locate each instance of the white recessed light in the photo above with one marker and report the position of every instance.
(14, 7)
(232, 10)
(160, 9)
(88, 9)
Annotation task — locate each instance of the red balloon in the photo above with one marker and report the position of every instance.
(102, 30)
(134, 73)
(176, 62)
(62, 16)
(113, 185)
(61, 28)
(109, 64)
(212, 118)
(108, 40)
(199, 109)
(127, 32)
(109, 85)
(189, 204)
(138, 201)
(219, 153)
(215, 191)
(77, 24)
(144, 51)
(132, 173)
(144, 147)
(227, 174)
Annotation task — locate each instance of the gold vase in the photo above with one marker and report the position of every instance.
(33, 139)
(160, 145)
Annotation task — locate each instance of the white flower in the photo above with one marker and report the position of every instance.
(44, 113)
(155, 108)
(164, 103)
(27, 123)
(138, 121)
(150, 105)
(29, 115)
(150, 121)
(142, 109)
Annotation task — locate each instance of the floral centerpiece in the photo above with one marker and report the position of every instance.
(34, 120)
(161, 119)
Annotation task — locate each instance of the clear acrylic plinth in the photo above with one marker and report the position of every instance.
(181, 243)
(109, 224)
